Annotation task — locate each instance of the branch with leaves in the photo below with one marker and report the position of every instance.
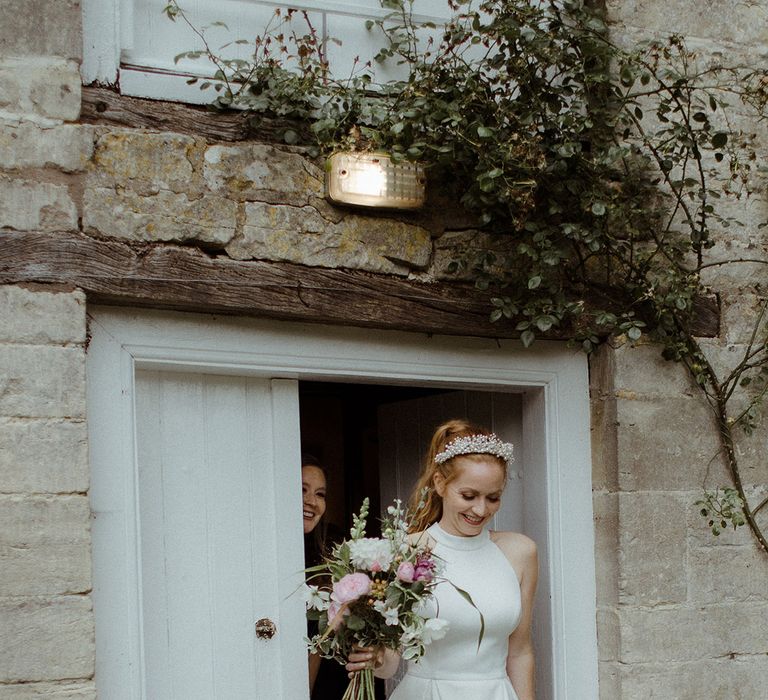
(609, 172)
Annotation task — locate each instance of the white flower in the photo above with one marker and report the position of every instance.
(370, 553)
(389, 614)
(411, 633)
(434, 628)
(315, 599)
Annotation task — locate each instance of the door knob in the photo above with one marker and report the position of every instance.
(265, 628)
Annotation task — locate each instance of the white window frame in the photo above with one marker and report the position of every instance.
(106, 29)
(556, 424)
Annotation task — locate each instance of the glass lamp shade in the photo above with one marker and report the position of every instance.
(373, 180)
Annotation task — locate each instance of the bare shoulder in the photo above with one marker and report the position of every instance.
(519, 549)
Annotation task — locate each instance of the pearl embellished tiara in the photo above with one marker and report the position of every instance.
(476, 444)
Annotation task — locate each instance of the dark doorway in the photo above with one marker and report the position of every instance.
(339, 426)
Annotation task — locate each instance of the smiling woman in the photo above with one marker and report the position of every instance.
(327, 678)
(457, 495)
(313, 489)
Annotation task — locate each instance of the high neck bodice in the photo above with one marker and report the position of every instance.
(458, 542)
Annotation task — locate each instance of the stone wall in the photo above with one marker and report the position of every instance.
(680, 614)
(45, 570)
(678, 608)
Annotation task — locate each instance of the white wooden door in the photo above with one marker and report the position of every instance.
(217, 490)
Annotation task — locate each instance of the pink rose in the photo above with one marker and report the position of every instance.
(406, 571)
(351, 587)
(424, 571)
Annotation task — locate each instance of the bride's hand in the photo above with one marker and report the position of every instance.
(361, 658)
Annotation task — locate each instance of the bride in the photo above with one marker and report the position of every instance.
(464, 475)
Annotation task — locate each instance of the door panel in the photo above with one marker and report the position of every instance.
(209, 528)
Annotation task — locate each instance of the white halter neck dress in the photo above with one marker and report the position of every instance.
(454, 668)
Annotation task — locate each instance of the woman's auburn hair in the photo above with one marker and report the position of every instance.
(425, 505)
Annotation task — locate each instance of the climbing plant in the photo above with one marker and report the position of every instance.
(612, 172)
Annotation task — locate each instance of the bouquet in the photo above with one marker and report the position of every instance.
(374, 595)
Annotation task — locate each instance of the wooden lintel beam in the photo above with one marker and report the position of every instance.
(186, 279)
(183, 278)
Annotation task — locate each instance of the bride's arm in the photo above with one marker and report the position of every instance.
(520, 658)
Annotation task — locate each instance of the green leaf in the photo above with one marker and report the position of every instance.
(527, 337)
(719, 139)
(468, 598)
(534, 282)
(544, 323)
(634, 333)
(354, 623)
(598, 209)
(290, 136)
(484, 132)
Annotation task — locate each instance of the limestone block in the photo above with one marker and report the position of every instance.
(710, 631)
(751, 245)
(606, 517)
(608, 637)
(608, 673)
(41, 27)
(67, 690)
(740, 314)
(723, 357)
(36, 206)
(44, 545)
(725, 21)
(38, 381)
(29, 145)
(728, 574)
(45, 87)
(603, 419)
(739, 678)
(143, 162)
(751, 451)
(668, 444)
(41, 317)
(301, 235)
(263, 173)
(641, 370)
(166, 216)
(46, 639)
(43, 456)
(652, 549)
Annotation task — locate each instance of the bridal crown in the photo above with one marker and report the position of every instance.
(476, 444)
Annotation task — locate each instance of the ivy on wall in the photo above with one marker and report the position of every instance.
(614, 170)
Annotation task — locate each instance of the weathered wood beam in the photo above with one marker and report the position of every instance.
(106, 106)
(182, 278)
(187, 279)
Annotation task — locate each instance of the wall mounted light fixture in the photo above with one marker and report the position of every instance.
(373, 180)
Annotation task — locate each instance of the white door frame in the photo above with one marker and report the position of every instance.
(556, 423)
